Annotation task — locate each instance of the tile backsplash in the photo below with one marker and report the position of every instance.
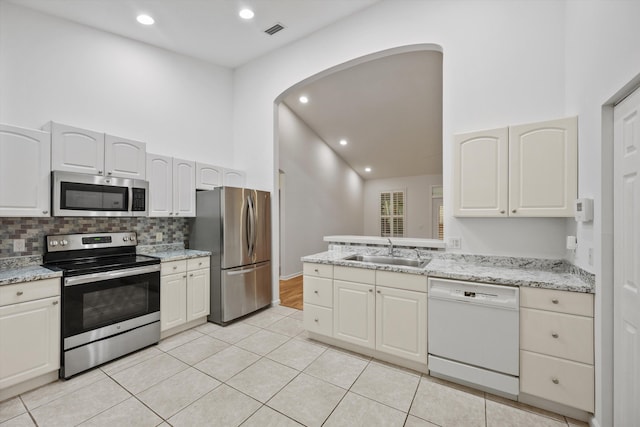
(34, 230)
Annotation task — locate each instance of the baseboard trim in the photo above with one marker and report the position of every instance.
(291, 276)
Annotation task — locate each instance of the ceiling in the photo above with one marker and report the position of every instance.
(389, 110)
(210, 30)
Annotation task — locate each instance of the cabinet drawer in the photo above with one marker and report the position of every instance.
(197, 263)
(29, 291)
(351, 274)
(318, 291)
(411, 282)
(558, 380)
(318, 270)
(318, 319)
(171, 267)
(560, 301)
(557, 334)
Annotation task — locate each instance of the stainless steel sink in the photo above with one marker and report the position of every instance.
(391, 260)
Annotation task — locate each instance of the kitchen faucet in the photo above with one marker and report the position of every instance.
(390, 246)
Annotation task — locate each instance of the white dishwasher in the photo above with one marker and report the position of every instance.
(473, 335)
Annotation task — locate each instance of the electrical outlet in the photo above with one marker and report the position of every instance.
(159, 236)
(454, 242)
(590, 255)
(19, 245)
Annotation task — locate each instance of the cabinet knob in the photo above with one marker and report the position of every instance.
(555, 300)
(175, 267)
(502, 211)
(184, 277)
(45, 212)
(316, 270)
(170, 213)
(378, 291)
(191, 275)
(199, 263)
(19, 293)
(513, 211)
(315, 292)
(370, 290)
(99, 172)
(555, 380)
(109, 173)
(315, 320)
(55, 303)
(555, 335)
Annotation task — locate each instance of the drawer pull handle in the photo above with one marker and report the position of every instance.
(191, 275)
(555, 300)
(19, 293)
(370, 290)
(184, 277)
(199, 263)
(315, 320)
(378, 291)
(316, 270)
(175, 267)
(555, 335)
(55, 303)
(315, 292)
(555, 380)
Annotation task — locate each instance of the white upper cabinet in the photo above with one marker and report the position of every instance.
(528, 171)
(234, 178)
(85, 151)
(481, 173)
(76, 150)
(24, 172)
(124, 157)
(172, 189)
(208, 177)
(543, 168)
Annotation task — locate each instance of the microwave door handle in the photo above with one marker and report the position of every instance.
(130, 199)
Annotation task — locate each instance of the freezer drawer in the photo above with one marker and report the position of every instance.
(244, 290)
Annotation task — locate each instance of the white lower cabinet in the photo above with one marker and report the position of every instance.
(184, 292)
(401, 323)
(354, 313)
(29, 331)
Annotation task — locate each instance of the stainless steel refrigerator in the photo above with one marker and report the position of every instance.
(235, 225)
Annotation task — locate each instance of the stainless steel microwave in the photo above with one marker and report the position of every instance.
(76, 194)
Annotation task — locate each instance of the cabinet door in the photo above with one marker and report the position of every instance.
(173, 300)
(160, 176)
(354, 313)
(76, 150)
(24, 172)
(208, 177)
(480, 173)
(198, 286)
(401, 323)
(184, 188)
(234, 178)
(29, 339)
(124, 157)
(543, 174)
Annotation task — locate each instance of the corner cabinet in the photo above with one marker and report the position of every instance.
(172, 189)
(208, 177)
(184, 294)
(528, 170)
(29, 332)
(24, 172)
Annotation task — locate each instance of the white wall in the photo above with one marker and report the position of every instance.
(53, 69)
(322, 194)
(418, 215)
(602, 56)
(503, 64)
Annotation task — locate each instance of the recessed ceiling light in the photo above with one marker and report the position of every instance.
(343, 142)
(246, 13)
(145, 19)
(303, 99)
(367, 169)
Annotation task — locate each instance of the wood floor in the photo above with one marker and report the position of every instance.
(291, 292)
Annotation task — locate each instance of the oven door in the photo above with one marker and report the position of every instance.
(99, 305)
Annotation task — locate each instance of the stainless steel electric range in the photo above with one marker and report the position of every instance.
(110, 297)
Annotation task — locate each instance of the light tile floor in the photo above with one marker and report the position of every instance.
(262, 371)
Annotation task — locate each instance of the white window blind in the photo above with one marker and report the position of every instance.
(392, 209)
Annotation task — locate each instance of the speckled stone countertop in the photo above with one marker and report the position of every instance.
(171, 252)
(24, 269)
(531, 272)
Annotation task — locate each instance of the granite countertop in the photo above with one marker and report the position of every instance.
(176, 255)
(28, 273)
(530, 272)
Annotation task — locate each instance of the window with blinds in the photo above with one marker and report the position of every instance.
(392, 209)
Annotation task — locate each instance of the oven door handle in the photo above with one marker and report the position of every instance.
(108, 275)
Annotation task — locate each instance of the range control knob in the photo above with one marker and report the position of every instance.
(125, 238)
(64, 243)
(132, 237)
(53, 243)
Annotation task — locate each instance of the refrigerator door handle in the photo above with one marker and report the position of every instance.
(249, 227)
(254, 227)
(244, 271)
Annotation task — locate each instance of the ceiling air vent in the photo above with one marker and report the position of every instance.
(272, 30)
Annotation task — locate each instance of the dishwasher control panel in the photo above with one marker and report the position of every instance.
(478, 293)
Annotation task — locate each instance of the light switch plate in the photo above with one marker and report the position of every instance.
(159, 236)
(19, 245)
